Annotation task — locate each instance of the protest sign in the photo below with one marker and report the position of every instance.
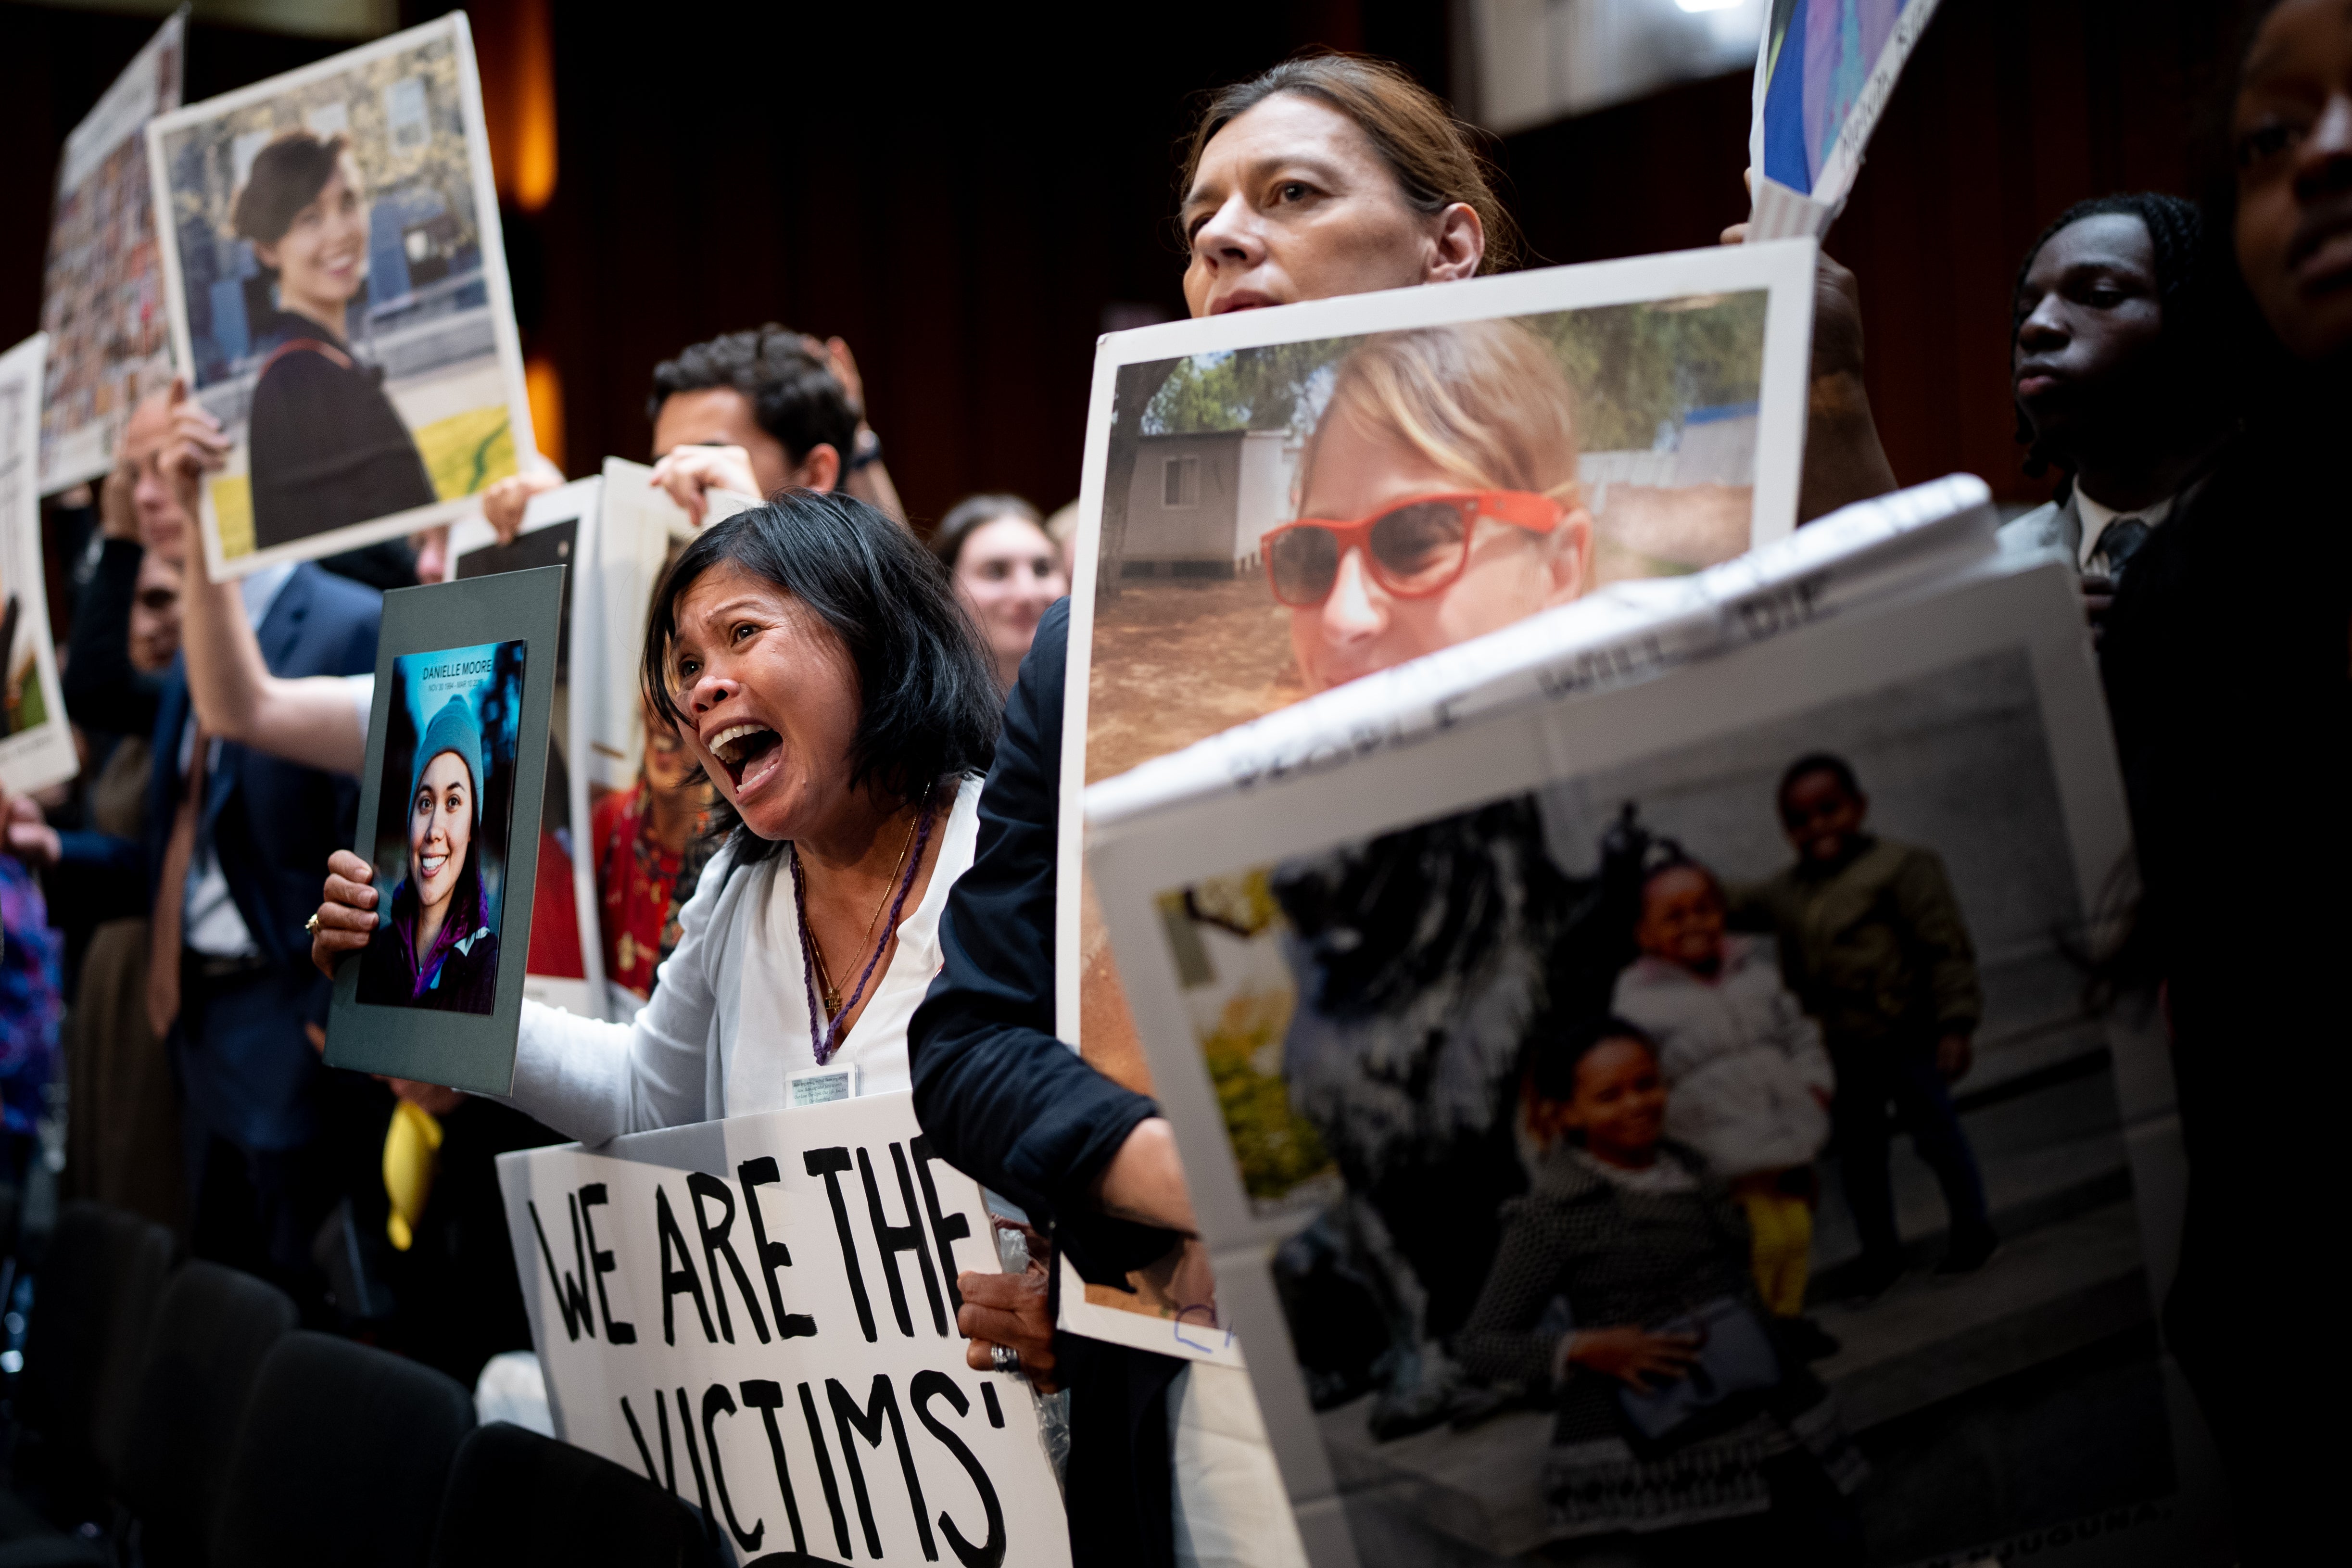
(449, 815)
(37, 747)
(102, 293)
(565, 966)
(1277, 502)
(759, 1314)
(1824, 71)
(336, 287)
(1437, 974)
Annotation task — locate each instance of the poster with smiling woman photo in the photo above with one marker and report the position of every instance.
(337, 288)
(451, 819)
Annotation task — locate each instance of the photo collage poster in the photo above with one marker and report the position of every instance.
(36, 748)
(1277, 502)
(565, 966)
(450, 815)
(102, 291)
(338, 296)
(1503, 1053)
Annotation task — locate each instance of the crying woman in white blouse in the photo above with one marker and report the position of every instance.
(818, 667)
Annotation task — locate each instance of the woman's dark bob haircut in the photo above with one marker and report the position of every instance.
(926, 686)
(287, 176)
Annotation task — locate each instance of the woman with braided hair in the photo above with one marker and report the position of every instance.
(2112, 362)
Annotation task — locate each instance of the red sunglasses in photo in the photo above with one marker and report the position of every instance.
(1414, 548)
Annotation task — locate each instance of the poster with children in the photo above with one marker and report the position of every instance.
(1641, 1086)
(1278, 502)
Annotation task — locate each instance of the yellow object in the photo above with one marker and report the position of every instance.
(233, 506)
(1780, 1251)
(412, 1148)
(468, 452)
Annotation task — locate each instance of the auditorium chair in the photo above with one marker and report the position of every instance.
(94, 1297)
(342, 1459)
(517, 1500)
(212, 1330)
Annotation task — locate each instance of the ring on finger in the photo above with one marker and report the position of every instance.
(1006, 1360)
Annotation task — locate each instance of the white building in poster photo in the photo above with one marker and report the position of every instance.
(1199, 504)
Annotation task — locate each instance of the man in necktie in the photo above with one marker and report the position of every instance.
(2115, 380)
(236, 838)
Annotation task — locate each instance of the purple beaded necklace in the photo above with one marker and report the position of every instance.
(825, 1035)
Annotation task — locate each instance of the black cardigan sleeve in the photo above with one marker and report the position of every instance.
(998, 1094)
(104, 691)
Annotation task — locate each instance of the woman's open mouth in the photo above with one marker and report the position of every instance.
(429, 866)
(749, 752)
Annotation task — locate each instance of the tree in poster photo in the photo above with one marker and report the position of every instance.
(328, 448)
(438, 949)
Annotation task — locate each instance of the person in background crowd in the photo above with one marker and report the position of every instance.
(650, 846)
(232, 833)
(2118, 381)
(2228, 663)
(1874, 943)
(753, 412)
(1006, 571)
(1634, 1234)
(327, 446)
(122, 1135)
(811, 657)
(32, 1005)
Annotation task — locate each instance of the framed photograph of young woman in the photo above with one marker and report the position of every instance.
(1278, 502)
(37, 747)
(1537, 1036)
(451, 808)
(338, 293)
(102, 291)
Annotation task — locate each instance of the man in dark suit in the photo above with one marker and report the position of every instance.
(235, 840)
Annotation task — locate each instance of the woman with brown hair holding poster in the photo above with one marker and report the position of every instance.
(328, 447)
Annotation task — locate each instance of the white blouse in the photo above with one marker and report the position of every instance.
(728, 1022)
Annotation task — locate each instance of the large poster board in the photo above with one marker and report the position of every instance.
(37, 747)
(1375, 943)
(449, 815)
(1487, 448)
(759, 1314)
(102, 293)
(338, 293)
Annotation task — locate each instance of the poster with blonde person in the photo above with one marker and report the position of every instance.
(1280, 501)
(336, 283)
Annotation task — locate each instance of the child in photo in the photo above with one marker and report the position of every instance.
(1749, 1081)
(1874, 943)
(1623, 1238)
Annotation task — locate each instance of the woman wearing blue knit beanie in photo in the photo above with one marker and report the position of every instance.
(438, 949)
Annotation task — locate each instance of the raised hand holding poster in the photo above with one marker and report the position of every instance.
(1824, 71)
(338, 293)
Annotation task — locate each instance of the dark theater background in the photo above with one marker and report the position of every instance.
(970, 200)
